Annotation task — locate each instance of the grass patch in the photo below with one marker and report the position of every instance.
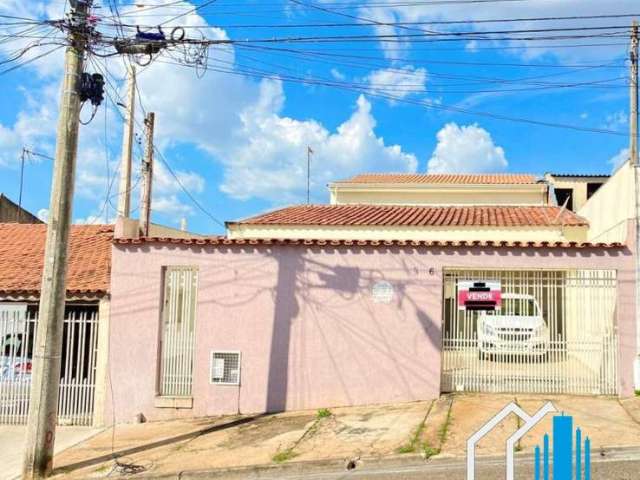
(284, 455)
(415, 441)
(637, 392)
(323, 413)
(407, 448)
(289, 453)
(443, 431)
(429, 451)
(518, 447)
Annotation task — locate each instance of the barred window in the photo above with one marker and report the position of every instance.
(225, 368)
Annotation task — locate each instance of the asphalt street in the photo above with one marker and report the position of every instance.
(613, 465)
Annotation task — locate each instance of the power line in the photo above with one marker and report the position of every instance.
(165, 162)
(422, 103)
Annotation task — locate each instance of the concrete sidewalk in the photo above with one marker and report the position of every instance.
(12, 438)
(340, 437)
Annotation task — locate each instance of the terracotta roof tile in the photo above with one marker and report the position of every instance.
(22, 254)
(444, 178)
(423, 216)
(221, 241)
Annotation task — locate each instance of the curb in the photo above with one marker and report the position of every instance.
(308, 468)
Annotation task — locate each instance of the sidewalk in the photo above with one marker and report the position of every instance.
(12, 438)
(342, 437)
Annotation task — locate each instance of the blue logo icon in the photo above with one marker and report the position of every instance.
(563, 453)
(563, 445)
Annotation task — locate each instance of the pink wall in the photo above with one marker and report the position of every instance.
(303, 318)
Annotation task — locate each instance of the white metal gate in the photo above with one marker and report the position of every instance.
(178, 331)
(78, 369)
(578, 355)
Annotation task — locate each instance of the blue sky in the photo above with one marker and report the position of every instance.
(391, 99)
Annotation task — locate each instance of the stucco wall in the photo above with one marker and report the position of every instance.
(611, 208)
(381, 232)
(440, 195)
(304, 319)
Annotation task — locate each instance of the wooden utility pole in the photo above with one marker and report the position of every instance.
(45, 382)
(124, 192)
(633, 85)
(309, 153)
(22, 159)
(147, 177)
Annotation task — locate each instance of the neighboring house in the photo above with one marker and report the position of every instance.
(12, 213)
(573, 190)
(357, 302)
(429, 223)
(440, 189)
(85, 334)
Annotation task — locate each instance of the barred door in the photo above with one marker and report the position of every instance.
(78, 369)
(178, 331)
(555, 334)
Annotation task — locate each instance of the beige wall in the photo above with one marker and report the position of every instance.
(577, 184)
(610, 208)
(439, 194)
(551, 234)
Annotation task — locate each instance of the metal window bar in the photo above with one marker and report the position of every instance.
(578, 307)
(78, 367)
(178, 331)
(225, 368)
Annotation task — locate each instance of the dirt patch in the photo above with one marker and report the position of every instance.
(264, 429)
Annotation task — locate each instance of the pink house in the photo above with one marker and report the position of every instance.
(260, 321)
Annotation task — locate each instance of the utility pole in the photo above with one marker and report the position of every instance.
(24, 152)
(124, 198)
(633, 85)
(633, 159)
(309, 153)
(147, 176)
(45, 382)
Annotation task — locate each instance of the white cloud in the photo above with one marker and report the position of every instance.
(338, 75)
(616, 120)
(466, 149)
(398, 82)
(619, 158)
(453, 11)
(271, 162)
(230, 119)
(471, 46)
(43, 214)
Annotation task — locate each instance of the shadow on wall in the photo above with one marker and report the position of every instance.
(292, 286)
(286, 309)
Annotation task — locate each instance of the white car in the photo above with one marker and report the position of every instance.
(523, 332)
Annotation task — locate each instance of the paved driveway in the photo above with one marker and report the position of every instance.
(12, 438)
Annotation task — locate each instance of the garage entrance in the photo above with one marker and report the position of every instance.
(554, 333)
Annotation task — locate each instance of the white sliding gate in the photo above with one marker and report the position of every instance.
(580, 357)
(77, 375)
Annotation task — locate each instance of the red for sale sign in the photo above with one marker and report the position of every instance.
(479, 295)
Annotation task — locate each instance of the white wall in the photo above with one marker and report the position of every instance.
(610, 208)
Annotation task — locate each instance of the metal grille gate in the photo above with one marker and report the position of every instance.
(178, 331)
(578, 307)
(78, 369)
